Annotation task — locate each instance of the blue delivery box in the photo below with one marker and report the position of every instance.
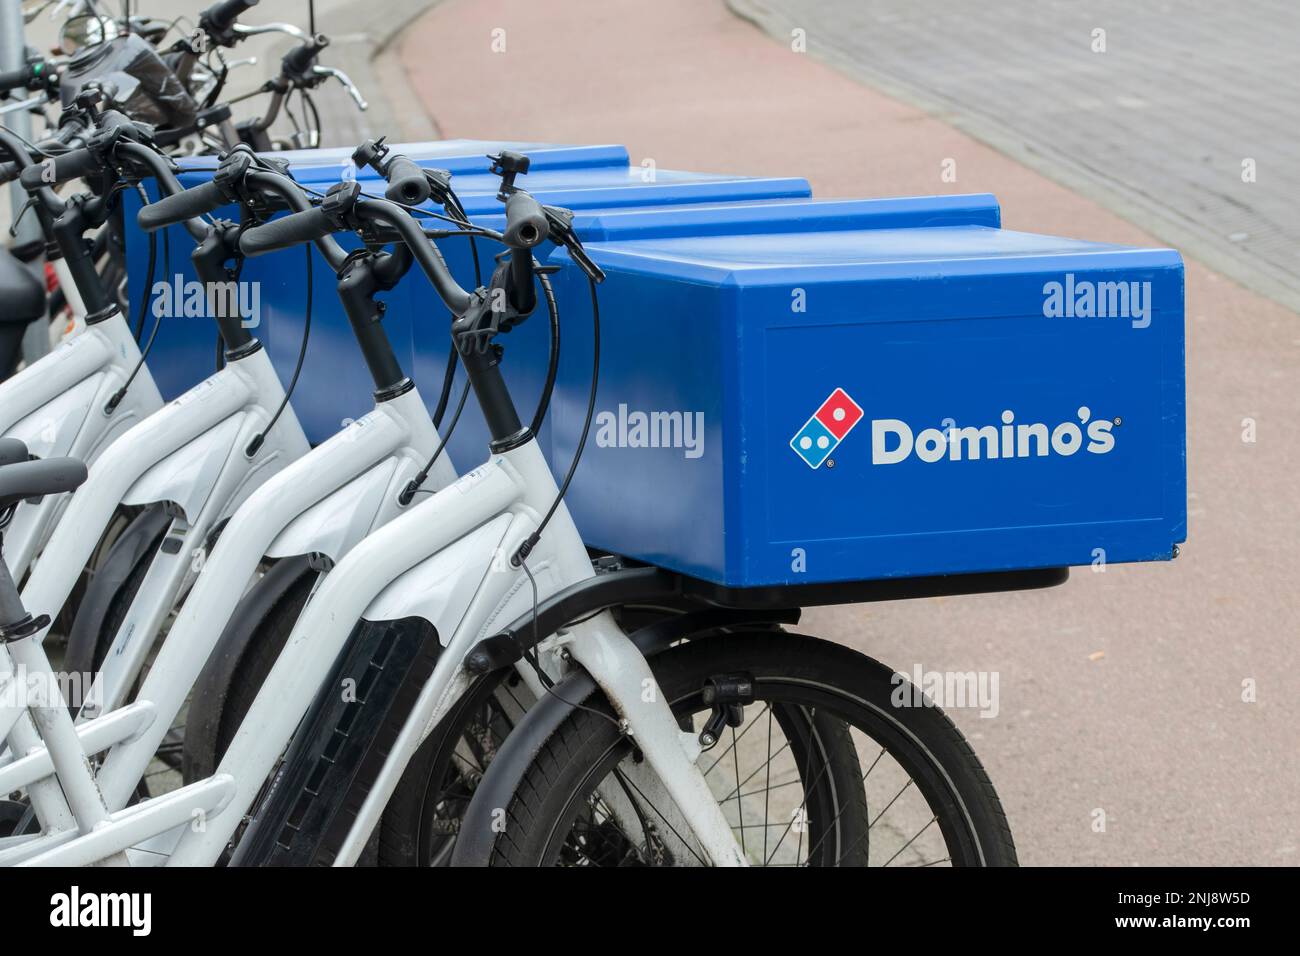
(334, 384)
(184, 352)
(816, 393)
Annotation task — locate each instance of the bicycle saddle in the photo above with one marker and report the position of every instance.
(22, 296)
(35, 479)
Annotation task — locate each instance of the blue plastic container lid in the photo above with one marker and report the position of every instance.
(801, 215)
(456, 155)
(842, 249)
(624, 187)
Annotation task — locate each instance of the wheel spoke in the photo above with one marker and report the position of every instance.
(908, 843)
(723, 755)
(740, 804)
(906, 786)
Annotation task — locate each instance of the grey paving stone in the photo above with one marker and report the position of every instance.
(1156, 127)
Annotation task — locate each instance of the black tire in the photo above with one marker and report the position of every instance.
(422, 818)
(553, 818)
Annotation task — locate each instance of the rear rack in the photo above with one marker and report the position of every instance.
(619, 585)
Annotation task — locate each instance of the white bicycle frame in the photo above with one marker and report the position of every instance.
(446, 561)
(56, 406)
(190, 454)
(324, 503)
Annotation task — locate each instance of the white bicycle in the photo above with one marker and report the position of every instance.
(203, 454)
(625, 759)
(80, 398)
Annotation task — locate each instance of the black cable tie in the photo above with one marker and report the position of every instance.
(111, 405)
(411, 488)
(525, 549)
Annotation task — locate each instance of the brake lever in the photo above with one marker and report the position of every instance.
(38, 100)
(324, 71)
(560, 222)
(288, 29)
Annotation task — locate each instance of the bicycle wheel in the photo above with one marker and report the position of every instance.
(422, 818)
(825, 770)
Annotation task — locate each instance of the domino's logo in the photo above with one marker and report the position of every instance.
(827, 427)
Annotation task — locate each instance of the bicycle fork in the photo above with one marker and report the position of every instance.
(623, 673)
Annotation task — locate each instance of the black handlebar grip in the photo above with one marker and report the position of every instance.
(59, 169)
(525, 222)
(181, 206)
(222, 16)
(15, 79)
(301, 58)
(407, 182)
(292, 230)
(8, 172)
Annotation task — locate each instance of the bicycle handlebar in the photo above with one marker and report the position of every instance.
(407, 181)
(301, 58)
(292, 194)
(220, 17)
(59, 169)
(312, 224)
(160, 168)
(180, 206)
(285, 232)
(16, 79)
(68, 138)
(526, 224)
(425, 251)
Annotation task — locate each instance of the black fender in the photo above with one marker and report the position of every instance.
(208, 699)
(137, 540)
(506, 772)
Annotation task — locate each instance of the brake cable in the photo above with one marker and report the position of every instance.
(526, 547)
(520, 558)
(255, 445)
(413, 486)
(149, 271)
(111, 405)
(449, 375)
(553, 360)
